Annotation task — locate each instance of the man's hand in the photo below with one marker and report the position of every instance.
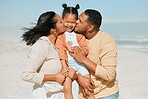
(86, 83)
(78, 54)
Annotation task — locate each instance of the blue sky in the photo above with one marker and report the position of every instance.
(119, 16)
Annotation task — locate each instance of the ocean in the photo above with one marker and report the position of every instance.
(132, 42)
(129, 36)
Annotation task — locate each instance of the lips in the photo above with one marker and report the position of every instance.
(69, 28)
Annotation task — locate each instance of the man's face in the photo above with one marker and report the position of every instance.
(82, 24)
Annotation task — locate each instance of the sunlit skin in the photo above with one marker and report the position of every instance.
(56, 31)
(69, 22)
(60, 28)
(81, 24)
(84, 27)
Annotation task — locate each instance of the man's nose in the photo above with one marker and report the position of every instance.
(77, 21)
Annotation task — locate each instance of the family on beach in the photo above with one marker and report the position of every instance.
(68, 48)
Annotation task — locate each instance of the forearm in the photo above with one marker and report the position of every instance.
(49, 77)
(90, 64)
(64, 64)
(33, 77)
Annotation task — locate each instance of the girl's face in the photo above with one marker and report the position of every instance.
(59, 25)
(69, 22)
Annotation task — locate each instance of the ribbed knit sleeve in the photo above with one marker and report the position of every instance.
(108, 55)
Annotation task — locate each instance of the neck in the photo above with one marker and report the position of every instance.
(52, 39)
(89, 35)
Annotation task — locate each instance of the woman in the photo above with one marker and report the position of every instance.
(43, 66)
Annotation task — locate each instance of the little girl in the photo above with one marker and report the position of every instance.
(65, 42)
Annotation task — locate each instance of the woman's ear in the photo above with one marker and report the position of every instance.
(52, 31)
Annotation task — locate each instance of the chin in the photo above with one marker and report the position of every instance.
(69, 30)
(76, 31)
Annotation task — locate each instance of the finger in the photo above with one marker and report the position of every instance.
(83, 92)
(72, 54)
(91, 86)
(70, 42)
(80, 47)
(64, 72)
(87, 93)
(92, 82)
(77, 48)
(72, 71)
(89, 89)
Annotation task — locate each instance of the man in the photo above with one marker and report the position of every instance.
(101, 60)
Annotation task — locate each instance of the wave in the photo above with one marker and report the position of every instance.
(134, 38)
(134, 47)
(132, 42)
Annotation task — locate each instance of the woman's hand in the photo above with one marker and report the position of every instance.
(72, 74)
(60, 78)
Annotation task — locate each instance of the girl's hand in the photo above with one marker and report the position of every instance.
(64, 71)
(68, 46)
(72, 74)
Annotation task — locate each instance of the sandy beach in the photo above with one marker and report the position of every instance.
(132, 72)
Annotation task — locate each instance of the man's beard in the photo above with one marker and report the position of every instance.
(80, 32)
(77, 32)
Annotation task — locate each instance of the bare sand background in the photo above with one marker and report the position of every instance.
(132, 72)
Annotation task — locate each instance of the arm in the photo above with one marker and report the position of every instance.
(108, 57)
(36, 58)
(80, 57)
(60, 44)
(64, 64)
(85, 82)
(59, 77)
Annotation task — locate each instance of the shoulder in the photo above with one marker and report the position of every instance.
(41, 44)
(79, 36)
(105, 36)
(61, 36)
(108, 40)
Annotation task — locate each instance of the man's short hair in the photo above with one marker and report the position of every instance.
(94, 17)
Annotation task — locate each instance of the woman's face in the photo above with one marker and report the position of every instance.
(59, 25)
(69, 21)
